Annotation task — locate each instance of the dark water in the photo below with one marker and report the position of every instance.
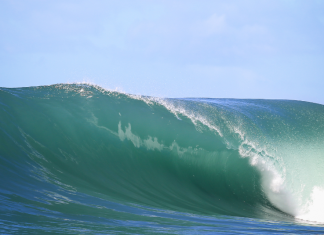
(77, 159)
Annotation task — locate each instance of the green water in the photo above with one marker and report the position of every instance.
(81, 159)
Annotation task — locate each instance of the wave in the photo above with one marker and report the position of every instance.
(71, 144)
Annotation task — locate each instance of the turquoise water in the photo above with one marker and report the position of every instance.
(79, 159)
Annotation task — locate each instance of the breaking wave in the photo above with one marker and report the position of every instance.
(70, 149)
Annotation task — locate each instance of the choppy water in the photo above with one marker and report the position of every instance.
(80, 159)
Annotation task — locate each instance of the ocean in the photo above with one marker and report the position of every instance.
(79, 159)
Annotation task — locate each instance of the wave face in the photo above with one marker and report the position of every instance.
(78, 158)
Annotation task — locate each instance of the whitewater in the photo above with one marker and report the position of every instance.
(77, 158)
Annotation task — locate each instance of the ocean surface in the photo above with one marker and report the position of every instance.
(79, 159)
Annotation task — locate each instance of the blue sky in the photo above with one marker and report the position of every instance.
(221, 49)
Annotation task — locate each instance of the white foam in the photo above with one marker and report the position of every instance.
(314, 208)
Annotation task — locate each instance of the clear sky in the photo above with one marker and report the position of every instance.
(179, 48)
